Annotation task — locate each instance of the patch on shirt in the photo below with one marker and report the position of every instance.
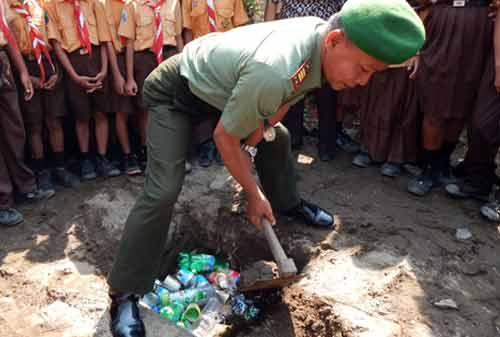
(46, 17)
(124, 17)
(301, 74)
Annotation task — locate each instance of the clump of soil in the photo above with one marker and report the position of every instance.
(312, 316)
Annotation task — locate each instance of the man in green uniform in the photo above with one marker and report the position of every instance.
(249, 76)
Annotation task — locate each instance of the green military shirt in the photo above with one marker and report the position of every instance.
(249, 72)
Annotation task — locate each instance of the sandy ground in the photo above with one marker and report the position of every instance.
(380, 274)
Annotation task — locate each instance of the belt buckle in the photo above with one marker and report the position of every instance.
(459, 3)
(83, 51)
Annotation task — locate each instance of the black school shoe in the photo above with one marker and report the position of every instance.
(105, 168)
(66, 178)
(311, 214)
(207, 154)
(466, 189)
(491, 211)
(125, 318)
(9, 217)
(130, 165)
(44, 180)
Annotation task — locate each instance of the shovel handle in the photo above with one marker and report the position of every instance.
(286, 266)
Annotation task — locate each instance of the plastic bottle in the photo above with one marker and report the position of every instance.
(202, 263)
(210, 316)
(173, 311)
(171, 283)
(151, 301)
(162, 293)
(199, 296)
(200, 281)
(226, 279)
(186, 278)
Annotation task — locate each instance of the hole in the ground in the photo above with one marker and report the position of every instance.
(284, 313)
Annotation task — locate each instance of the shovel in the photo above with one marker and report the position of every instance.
(263, 274)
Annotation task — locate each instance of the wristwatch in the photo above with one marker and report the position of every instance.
(251, 150)
(269, 133)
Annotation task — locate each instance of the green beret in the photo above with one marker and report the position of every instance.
(389, 30)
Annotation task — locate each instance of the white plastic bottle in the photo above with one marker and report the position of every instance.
(210, 316)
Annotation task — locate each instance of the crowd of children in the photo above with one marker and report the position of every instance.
(86, 61)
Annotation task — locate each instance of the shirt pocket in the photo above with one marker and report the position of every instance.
(225, 13)
(145, 24)
(199, 17)
(68, 24)
(168, 23)
(224, 19)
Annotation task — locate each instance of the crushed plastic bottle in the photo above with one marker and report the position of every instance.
(242, 307)
(200, 281)
(191, 314)
(199, 296)
(239, 305)
(225, 279)
(210, 316)
(171, 283)
(186, 278)
(197, 263)
(173, 311)
(162, 293)
(202, 263)
(151, 301)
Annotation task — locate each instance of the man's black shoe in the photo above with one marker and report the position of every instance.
(468, 189)
(125, 318)
(313, 215)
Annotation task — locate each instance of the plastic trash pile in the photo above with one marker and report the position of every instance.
(201, 294)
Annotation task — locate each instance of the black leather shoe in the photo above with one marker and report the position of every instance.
(125, 318)
(313, 215)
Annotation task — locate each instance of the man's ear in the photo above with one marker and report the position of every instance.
(334, 37)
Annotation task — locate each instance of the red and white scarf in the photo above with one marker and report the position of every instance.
(82, 27)
(5, 28)
(38, 44)
(158, 38)
(212, 16)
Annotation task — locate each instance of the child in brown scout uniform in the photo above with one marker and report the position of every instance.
(479, 165)
(206, 16)
(14, 174)
(152, 30)
(448, 75)
(121, 103)
(78, 28)
(390, 121)
(201, 17)
(28, 24)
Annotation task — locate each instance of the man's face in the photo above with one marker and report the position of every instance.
(345, 65)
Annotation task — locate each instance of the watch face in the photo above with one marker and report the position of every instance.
(269, 134)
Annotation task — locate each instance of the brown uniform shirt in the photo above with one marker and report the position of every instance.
(19, 25)
(230, 14)
(64, 28)
(113, 10)
(138, 23)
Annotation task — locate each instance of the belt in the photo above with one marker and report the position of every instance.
(462, 3)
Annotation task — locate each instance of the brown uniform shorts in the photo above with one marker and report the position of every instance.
(119, 103)
(45, 103)
(144, 64)
(82, 104)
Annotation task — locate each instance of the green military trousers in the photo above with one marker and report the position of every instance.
(169, 133)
